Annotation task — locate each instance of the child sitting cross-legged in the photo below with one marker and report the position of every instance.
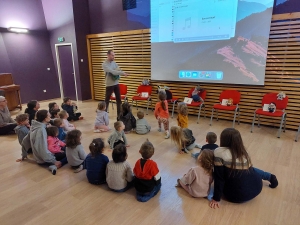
(142, 126)
(197, 181)
(147, 177)
(55, 145)
(64, 116)
(71, 108)
(102, 120)
(60, 125)
(211, 139)
(74, 150)
(118, 135)
(183, 139)
(127, 118)
(53, 110)
(119, 174)
(95, 162)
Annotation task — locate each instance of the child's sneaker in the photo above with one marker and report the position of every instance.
(198, 146)
(53, 169)
(78, 169)
(273, 181)
(97, 131)
(159, 129)
(167, 135)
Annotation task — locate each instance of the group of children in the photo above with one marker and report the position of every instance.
(64, 141)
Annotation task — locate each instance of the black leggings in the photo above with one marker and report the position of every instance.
(74, 117)
(8, 129)
(109, 91)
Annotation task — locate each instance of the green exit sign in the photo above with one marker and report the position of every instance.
(61, 39)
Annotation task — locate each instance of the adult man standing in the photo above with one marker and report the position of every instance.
(112, 74)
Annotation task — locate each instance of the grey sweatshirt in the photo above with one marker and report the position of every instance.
(111, 68)
(115, 136)
(38, 140)
(75, 156)
(142, 126)
(102, 118)
(5, 117)
(21, 131)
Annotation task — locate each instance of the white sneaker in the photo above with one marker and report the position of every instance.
(198, 146)
(167, 135)
(97, 131)
(78, 169)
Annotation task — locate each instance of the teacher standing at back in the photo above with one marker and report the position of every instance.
(112, 76)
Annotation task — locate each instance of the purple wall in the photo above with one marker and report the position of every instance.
(27, 56)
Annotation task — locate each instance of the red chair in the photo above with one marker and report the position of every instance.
(123, 93)
(227, 94)
(201, 105)
(280, 110)
(143, 89)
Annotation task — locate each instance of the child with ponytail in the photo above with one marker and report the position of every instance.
(197, 181)
(162, 113)
(95, 162)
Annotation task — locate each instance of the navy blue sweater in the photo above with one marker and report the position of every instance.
(96, 168)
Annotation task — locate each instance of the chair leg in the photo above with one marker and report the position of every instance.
(217, 115)
(199, 114)
(258, 121)
(173, 108)
(280, 128)
(211, 117)
(284, 123)
(112, 105)
(147, 106)
(253, 122)
(297, 134)
(204, 111)
(235, 111)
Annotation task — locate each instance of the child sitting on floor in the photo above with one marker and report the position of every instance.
(142, 126)
(183, 139)
(71, 108)
(182, 118)
(95, 162)
(55, 145)
(147, 177)
(127, 118)
(60, 125)
(198, 180)
(162, 113)
(211, 139)
(102, 120)
(117, 136)
(23, 126)
(74, 150)
(53, 110)
(64, 116)
(119, 174)
(32, 107)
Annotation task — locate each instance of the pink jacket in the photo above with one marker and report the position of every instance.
(54, 144)
(159, 112)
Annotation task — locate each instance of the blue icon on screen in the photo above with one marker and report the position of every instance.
(195, 74)
(188, 74)
(182, 74)
(219, 76)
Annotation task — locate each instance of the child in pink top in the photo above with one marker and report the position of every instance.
(54, 144)
(198, 180)
(162, 113)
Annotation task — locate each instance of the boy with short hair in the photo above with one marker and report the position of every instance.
(118, 135)
(148, 181)
(60, 125)
(22, 130)
(211, 139)
(142, 126)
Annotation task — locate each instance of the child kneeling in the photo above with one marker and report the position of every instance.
(119, 174)
(148, 181)
(198, 180)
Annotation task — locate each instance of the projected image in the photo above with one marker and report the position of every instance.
(221, 41)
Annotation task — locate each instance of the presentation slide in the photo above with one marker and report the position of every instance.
(210, 41)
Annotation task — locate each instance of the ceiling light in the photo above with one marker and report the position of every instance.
(18, 30)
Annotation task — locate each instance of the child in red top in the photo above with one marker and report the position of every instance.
(148, 181)
(162, 113)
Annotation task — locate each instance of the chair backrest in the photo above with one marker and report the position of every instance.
(272, 97)
(144, 88)
(123, 89)
(202, 94)
(233, 94)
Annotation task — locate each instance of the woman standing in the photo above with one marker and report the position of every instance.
(7, 124)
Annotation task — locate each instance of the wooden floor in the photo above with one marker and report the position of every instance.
(30, 194)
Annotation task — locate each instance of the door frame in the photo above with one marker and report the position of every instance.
(59, 69)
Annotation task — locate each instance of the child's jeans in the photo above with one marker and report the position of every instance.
(196, 98)
(144, 198)
(165, 122)
(264, 175)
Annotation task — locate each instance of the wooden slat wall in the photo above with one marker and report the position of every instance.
(133, 55)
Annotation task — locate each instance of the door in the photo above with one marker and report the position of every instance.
(66, 73)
